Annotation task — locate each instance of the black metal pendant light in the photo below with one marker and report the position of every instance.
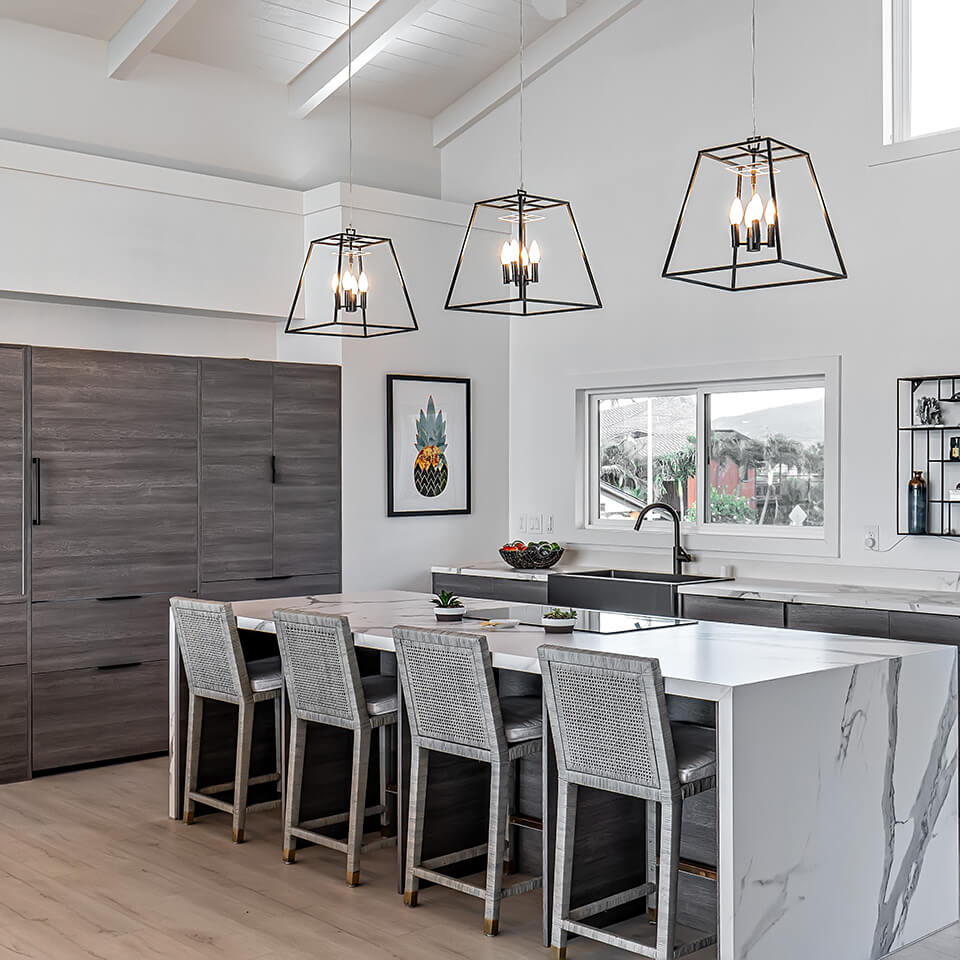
(732, 215)
(522, 254)
(364, 304)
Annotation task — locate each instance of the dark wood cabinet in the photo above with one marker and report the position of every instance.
(761, 613)
(271, 587)
(236, 469)
(507, 589)
(306, 494)
(852, 621)
(925, 627)
(115, 458)
(99, 713)
(12, 582)
(13, 634)
(14, 752)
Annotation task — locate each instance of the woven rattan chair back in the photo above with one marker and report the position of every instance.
(320, 668)
(448, 686)
(609, 719)
(210, 649)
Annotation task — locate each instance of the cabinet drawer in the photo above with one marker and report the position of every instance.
(271, 587)
(853, 621)
(71, 635)
(492, 588)
(924, 627)
(759, 613)
(13, 633)
(85, 716)
(14, 763)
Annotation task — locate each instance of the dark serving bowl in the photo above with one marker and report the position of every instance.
(533, 558)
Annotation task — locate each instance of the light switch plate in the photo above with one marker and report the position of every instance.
(535, 523)
(523, 523)
(548, 524)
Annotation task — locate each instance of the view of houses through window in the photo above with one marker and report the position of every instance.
(763, 455)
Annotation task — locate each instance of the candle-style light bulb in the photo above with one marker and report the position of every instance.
(752, 217)
(363, 285)
(534, 261)
(770, 215)
(505, 252)
(736, 218)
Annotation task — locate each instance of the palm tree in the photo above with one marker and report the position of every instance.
(745, 452)
(778, 452)
(679, 466)
(623, 464)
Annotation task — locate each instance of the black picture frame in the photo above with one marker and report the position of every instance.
(392, 380)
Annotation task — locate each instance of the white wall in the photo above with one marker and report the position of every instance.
(615, 128)
(186, 115)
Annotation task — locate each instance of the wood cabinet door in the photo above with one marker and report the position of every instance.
(115, 449)
(306, 495)
(14, 762)
(11, 472)
(236, 461)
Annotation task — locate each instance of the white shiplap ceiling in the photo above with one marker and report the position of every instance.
(430, 63)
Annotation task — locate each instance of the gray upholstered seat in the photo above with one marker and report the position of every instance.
(265, 674)
(380, 692)
(696, 751)
(522, 718)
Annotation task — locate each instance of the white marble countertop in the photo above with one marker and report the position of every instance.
(499, 568)
(702, 660)
(941, 602)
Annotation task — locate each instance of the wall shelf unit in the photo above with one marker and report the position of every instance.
(926, 447)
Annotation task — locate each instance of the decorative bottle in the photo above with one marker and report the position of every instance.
(917, 504)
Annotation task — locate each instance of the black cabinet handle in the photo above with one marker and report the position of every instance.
(120, 666)
(36, 491)
(128, 596)
(273, 468)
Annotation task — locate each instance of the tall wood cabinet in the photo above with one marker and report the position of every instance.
(126, 479)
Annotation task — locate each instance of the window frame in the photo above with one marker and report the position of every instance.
(707, 537)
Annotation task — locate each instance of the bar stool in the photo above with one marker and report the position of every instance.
(325, 687)
(608, 715)
(453, 707)
(216, 670)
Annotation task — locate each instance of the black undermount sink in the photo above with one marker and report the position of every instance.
(627, 591)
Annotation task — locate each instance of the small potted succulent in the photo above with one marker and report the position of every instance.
(449, 609)
(559, 621)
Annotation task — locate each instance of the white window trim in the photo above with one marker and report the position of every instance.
(724, 539)
(894, 143)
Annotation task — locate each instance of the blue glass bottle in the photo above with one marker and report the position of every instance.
(917, 504)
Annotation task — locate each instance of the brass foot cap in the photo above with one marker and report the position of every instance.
(238, 836)
(652, 914)
(558, 953)
(289, 856)
(188, 818)
(490, 927)
(508, 868)
(410, 897)
(353, 879)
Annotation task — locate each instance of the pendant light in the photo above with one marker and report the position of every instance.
(360, 278)
(522, 254)
(732, 215)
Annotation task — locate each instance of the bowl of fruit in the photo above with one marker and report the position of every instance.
(531, 556)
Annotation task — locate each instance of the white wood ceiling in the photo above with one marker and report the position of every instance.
(430, 64)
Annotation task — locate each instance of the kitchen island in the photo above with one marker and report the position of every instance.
(837, 804)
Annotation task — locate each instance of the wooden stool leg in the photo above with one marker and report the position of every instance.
(194, 724)
(496, 843)
(563, 868)
(291, 815)
(358, 802)
(242, 776)
(670, 820)
(419, 764)
(651, 816)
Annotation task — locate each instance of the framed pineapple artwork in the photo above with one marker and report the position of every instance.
(428, 446)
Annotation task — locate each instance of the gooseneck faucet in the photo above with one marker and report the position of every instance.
(680, 556)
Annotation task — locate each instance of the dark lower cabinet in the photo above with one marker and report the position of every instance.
(760, 613)
(492, 588)
(925, 627)
(14, 752)
(228, 590)
(13, 634)
(99, 713)
(852, 621)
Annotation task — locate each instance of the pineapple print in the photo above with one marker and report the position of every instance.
(430, 469)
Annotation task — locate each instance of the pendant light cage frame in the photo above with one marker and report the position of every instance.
(522, 208)
(346, 322)
(756, 156)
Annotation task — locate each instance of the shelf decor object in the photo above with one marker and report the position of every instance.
(362, 281)
(522, 254)
(428, 446)
(928, 468)
(531, 556)
(729, 233)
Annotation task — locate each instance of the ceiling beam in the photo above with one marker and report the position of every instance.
(575, 29)
(371, 33)
(149, 24)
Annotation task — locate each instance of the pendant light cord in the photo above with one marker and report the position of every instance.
(350, 103)
(753, 62)
(521, 92)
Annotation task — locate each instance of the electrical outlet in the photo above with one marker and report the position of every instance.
(535, 523)
(548, 524)
(871, 537)
(523, 523)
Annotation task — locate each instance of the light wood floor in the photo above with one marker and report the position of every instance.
(90, 867)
